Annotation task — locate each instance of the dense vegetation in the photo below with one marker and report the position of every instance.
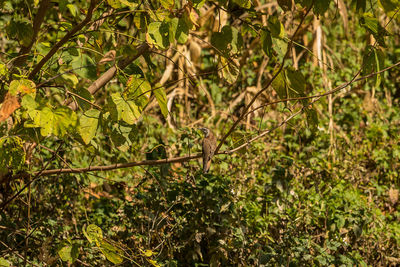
(100, 152)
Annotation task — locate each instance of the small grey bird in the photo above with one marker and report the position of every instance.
(209, 146)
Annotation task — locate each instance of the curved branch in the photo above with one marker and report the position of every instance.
(65, 39)
(246, 109)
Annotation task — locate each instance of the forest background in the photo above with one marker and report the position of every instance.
(100, 152)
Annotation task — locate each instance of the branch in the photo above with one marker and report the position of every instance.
(23, 53)
(118, 165)
(246, 109)
(65, 39)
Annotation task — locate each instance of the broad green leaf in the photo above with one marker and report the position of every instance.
(93, 233)
(279, 85)
(158, 34)
(373, 61)
(84, 66)
(4, 262)
(266, 42)
(161, 97)
(167, 4)
(22, 86)
(68, 252)
(21, 30)
(390, 6)
(280, 47)
(276, 27)
(296, 82)
(228, 40)
(111, 252)
(122, 109)
(131, 5)
(114, 3)
(28, 102)
(3, 70)
(229, 70)
(57, 122)
(138, 90)
(198, 3)
(369, 22)
(88, 124)
(179, 29)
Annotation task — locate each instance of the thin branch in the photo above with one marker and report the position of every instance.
(65, 39)
(266, 87)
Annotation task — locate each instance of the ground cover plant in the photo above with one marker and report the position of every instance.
(100, 149)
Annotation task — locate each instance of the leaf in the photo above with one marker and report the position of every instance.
(279, 85)
(266, 42)
(111, 252)
(276, 27)
(243, 3)
(93, 233)
(12, 155)
(122, 109)
(179, 30)
(369, 22)
(228, 40)
(167, 4)
(4, 262)
(88, 124)
(68, 252)
(280, 47)
(84, 66)
(229, 70)
(22, 86)
(57, 122)
(161, 97)
(9, 105)
(312, 119)
(158, 34)
(296, 82)
(21, 30)
(321, 6)
(373, 61)
(138, 90)
(390, 6)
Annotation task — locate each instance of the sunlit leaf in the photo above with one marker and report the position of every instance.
(158, 34)
(122, 109)
(68, 252)
(112, 253)
(88, 124)
(93, 233)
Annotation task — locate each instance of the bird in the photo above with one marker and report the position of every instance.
(209, 145)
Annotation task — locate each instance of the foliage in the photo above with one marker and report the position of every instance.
(90, 85)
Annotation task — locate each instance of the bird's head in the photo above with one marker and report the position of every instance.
(206, 131)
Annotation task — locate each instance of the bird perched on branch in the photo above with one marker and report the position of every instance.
(209, 145)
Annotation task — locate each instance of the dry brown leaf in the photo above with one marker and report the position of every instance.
(108, 57)
(10, 104)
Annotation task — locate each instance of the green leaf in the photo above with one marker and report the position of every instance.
(4, 262)
(137, 90)
(276, 27)
(321, 6)
(57, 122)
(161, 97)
(93, 233)
(121, 109)
(21, 30)
(22, 86)
(88, 124)
(279, 85)
(373, 61)
(12, 155)
(369, 22)
(243, 3)
(84, 66)
(167, 4)
(68, 252)
(111, 252)
(179, 29)
(230, 71)
(280, 47)
(389, 6)
(228, 40)
(158, 34)
(296, 82)
(266, 42)
(114, 3)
